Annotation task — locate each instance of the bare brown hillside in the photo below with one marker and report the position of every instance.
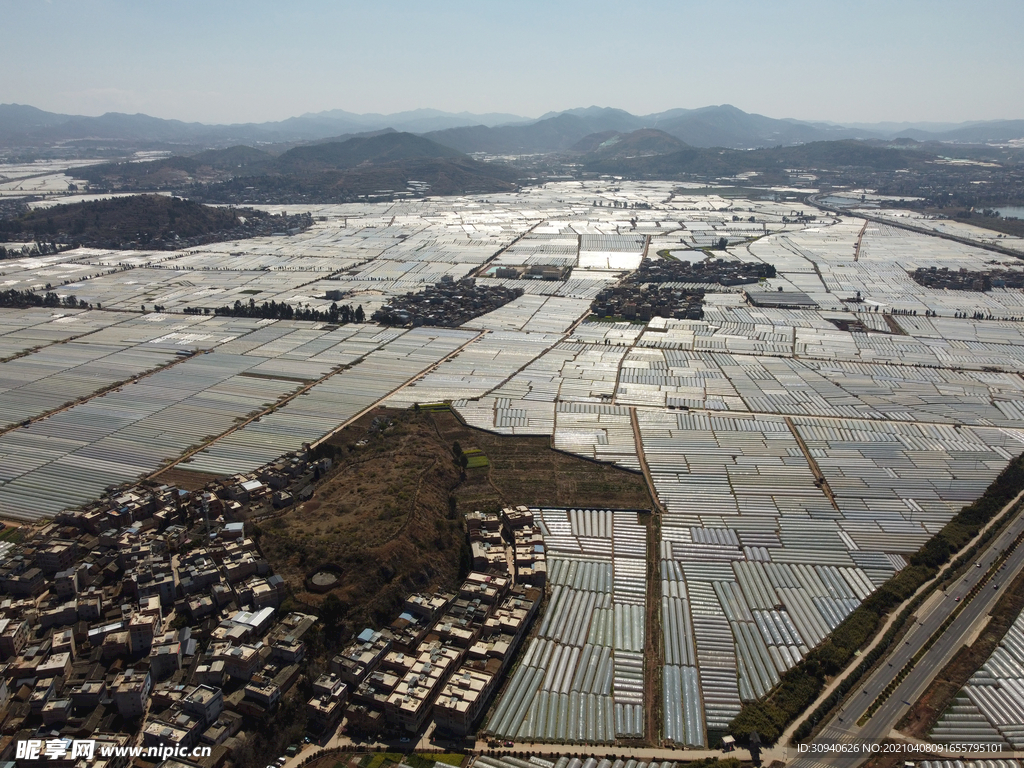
(389, 515)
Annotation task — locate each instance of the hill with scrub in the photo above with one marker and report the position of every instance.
(388, 518)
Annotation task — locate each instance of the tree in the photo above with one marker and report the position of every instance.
(332, 611)
(360, 315)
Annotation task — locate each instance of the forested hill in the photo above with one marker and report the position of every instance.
(326, 172)
(142, 221)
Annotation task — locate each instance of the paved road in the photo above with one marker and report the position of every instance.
(550, 751)
(843, 728)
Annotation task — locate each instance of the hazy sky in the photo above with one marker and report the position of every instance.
(213, 61)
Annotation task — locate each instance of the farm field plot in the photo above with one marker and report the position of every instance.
(581, 677)
(797, 443)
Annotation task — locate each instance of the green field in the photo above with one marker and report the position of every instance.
(476, 459)
(11, 533)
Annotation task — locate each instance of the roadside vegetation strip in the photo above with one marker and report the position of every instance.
(414, 759)
(868, 663)
(961, 606)
(801, 686)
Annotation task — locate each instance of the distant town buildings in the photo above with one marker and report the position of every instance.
(448, 304)
(642, 302)
(709, 270)
(967, 280)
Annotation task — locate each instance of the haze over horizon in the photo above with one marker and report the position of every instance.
(239, 62)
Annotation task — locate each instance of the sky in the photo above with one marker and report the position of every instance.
(221, 61)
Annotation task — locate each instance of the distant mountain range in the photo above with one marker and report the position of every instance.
(379, 162)
(22, 125)
(495, 133)
(385, 164)
(723, 126)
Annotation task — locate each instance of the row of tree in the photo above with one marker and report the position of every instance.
(36, 249)
(283, 311)
(22, 299)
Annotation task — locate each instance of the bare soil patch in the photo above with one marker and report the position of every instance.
(186, 478)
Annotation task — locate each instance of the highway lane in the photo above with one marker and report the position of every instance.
(843, 727)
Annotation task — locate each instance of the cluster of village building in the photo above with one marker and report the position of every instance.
(446, 655)
(966, 280)
(447, 304)
(642, 302)
(721, 271)
(151, 619)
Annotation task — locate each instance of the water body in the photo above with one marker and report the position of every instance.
(1012, 212)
